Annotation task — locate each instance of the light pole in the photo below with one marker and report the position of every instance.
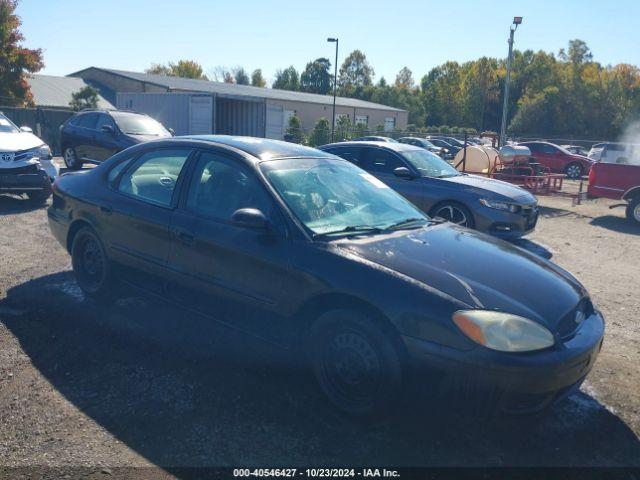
(505, 106)
(335, 85)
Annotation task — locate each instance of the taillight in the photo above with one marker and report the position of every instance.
(592, 174)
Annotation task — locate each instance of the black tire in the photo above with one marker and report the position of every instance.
(633, 211)
(574, 171)
(357, 365)
(71, 159)
(91, 266)
(39, 197)
(450, 211)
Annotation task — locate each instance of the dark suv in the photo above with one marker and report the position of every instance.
(94, 135)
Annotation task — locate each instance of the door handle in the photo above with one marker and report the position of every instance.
(106, 210)
(185, 237)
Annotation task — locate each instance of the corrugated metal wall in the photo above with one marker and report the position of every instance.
(239, 117)
(170, 109)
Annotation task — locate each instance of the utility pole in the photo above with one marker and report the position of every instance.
(505, 106)
(335, 85)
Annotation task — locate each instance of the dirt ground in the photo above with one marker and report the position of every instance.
(142, 383)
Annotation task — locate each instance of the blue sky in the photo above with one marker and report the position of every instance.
(271, 34)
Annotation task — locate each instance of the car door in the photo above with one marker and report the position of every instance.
(237, 273)
(85, 135)
(136, 223)
(105, 141)
(381, 163)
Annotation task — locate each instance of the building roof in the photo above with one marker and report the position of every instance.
(50, 91)
(231, 89)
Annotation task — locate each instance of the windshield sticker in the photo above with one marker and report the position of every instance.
(373, 180)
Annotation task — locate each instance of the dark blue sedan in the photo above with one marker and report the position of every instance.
(306, 250)
(438, 189)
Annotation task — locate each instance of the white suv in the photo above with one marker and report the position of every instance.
(26, 165)
(615, 153)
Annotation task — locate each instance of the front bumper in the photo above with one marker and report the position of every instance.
(507, 225)
(23, 180)
(518, 382)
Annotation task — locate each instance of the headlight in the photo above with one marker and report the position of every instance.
(498, 205)
(503, 331)
(43, 152)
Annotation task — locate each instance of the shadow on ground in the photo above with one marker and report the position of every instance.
(182, 391)
(15, 204)
(616, 224)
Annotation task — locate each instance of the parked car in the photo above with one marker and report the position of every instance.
(615, 153)
(438, 189)
(26, 164)
(576, 149)
(94, 135)
(449, 151)
(452, 141)
(422, 142)
(375, 138)
(307, 250)
(559, 160)
(619, 182)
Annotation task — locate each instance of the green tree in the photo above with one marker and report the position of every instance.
(321, 133)
(16, 61)
(240, 76)
(355, 73)
(343, 129)
(316, 77)
(287, 79)
(294, 131)
(404, 79)
(86, 97)
(257, 80)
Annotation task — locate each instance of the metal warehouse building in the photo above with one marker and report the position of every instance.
(200, 106)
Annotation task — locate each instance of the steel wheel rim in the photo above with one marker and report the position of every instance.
(636, 213)
(69, 157)
(351, 367)
(573, 171)
(452, 214)
(91, 264)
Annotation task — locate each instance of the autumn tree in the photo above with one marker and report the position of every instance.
(257, 80)
(181, 68)
(404, 79)
(16, 61)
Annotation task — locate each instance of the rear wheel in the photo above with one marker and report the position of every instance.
(633, 211)
(356, 364)
(91, 265)
(39, 197)
(454, 213)
(71, 159)
(574, 171)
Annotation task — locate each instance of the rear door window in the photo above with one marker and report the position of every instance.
(377, 160)
(352, 154)
(88, 120)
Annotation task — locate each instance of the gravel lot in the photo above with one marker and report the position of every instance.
(144, 384)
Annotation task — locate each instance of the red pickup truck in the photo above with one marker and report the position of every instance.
(619, 182)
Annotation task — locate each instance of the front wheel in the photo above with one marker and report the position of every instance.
(357, 365)
(633, 211)
(91, 265)
(574, 171)
(71, 159)
(455, 213)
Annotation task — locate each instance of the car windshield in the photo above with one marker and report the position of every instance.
(139, 125)
(7, 126)
(336, 197)
(429, 164)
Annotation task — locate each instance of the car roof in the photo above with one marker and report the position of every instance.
(262, 148)
(396, 147)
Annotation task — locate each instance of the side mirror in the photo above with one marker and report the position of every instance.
(172, 132)
(404, 172)
(107, 129)
(26, 129)
(250, 218)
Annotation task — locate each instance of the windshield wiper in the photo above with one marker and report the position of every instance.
(352, 229)
(405, 223)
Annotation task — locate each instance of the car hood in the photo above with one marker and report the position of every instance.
(474, 268)
(13, 142)
(481, 185)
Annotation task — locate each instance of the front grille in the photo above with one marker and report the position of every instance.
(23, 155)
(568, 326)
(28, 169)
